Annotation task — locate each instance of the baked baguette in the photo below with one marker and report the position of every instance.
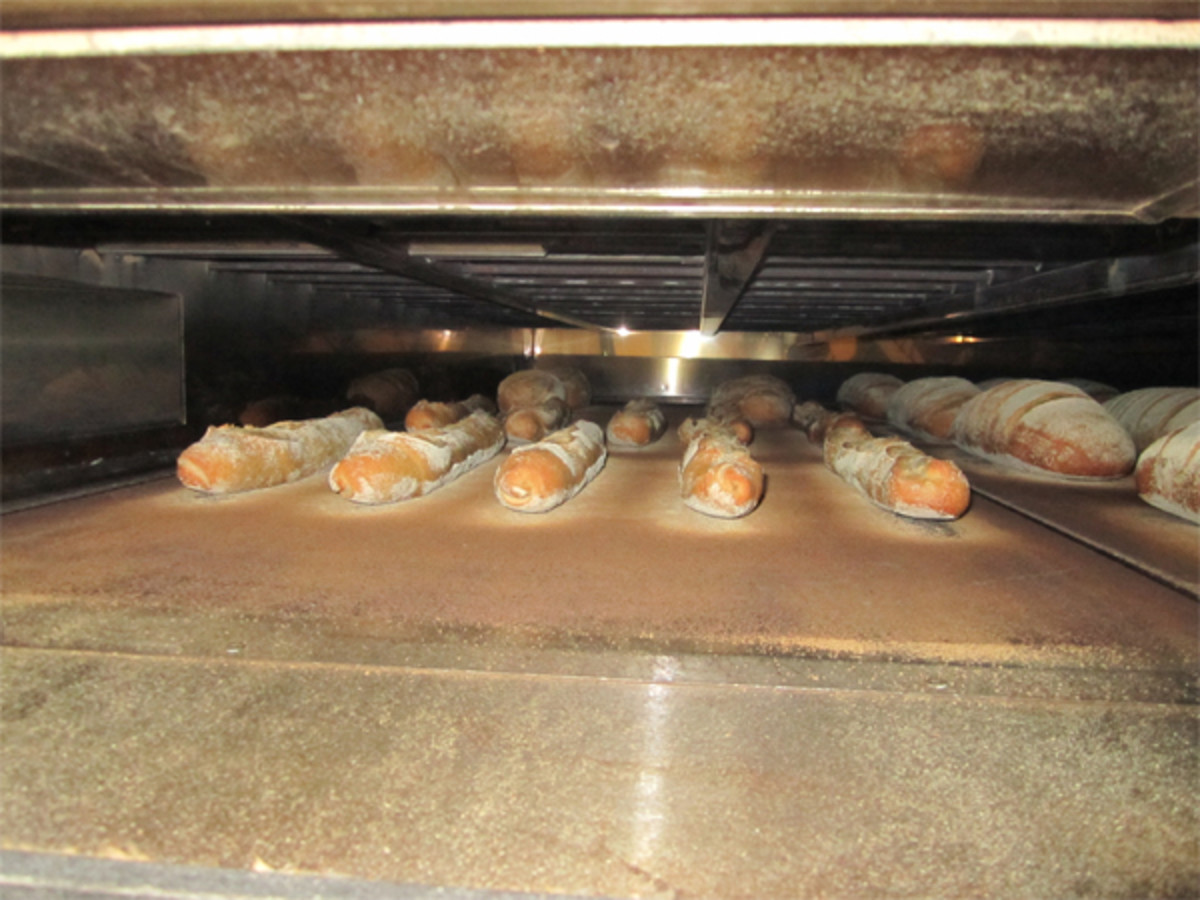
(759, 399)
(926, 407)
(689, 428)
(867, 393)
(429, 414)
(1044, 426)
(1149, 413)
(539, 477)
(718, 476)
(639, 424)
(389, 393)
(893, 474)
(230, 458)
(532, 423)
(389, 466)
(1168, 473)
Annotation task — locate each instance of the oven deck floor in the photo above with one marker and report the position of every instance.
(617, 698)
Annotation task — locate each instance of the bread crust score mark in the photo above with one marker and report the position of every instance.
(539, 477)
(718, 476)
(1047, 427)
(230, 458)
(640, 423)
(1168, 473)
(389, 466)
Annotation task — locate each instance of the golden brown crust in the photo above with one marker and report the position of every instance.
(1044, 426)
(389, 392)
(539, 477)
(532, 423)
(639, 424)
(1168, 473)
(927, 407)
(529, 387)
(431, 414)
(718, 477)
(388, 466)
(230, 459)
(762, 400)
(1149, 413)
(894, 474)
(867, 393)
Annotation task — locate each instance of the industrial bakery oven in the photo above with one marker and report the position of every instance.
(213, 211)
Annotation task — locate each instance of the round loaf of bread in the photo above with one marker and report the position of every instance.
(759, 399)
(927, 406)
(1044, 426)
(529, 387)
(867, 393)
(1168, 473)
(1149, 413)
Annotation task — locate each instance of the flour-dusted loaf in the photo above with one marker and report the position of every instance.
(539, 477)
(867, 393)
(431, 414)
(893, 474)
(762, 400)
(638, 424)
(389, 393)
(926, 407)
(1149, 413)
(718, 476)
(1044, 426)
(577, 388)
(230, 458)
(529, 387)
(389, 466)
(1168, 473)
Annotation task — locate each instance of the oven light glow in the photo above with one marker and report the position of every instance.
(622, 331)
(692, 343)
(964, 339)
(671, 377)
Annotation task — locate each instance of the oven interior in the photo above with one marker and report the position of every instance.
(276, 694)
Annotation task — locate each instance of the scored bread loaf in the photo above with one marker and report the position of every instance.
(1044, 426)
(388, 393)
(230, 458)
(867, 393)
(430, 414)
(1149, 413)
(893, 474)
(718, 476)
(389, 466)
(926, 407)
(1168, 473)
(539, 477)
(759, 399)
(638, 424)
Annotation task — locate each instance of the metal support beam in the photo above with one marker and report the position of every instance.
(735, 251)
(398, 260)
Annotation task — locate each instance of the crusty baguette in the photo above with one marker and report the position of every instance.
(389, 392)
(430, 414)
(1149, 413)
(539, 477)
(230, 458)
(926, 407)
(389, 466)
(1044, 426)
(532, 423)
(718, 476)
(867, 393)
(690, 427)
(529, 387)
(638, 424)
(894, 474)
(762, 400)
(1168, 473)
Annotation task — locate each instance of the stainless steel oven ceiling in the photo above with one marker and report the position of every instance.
(778, 170)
